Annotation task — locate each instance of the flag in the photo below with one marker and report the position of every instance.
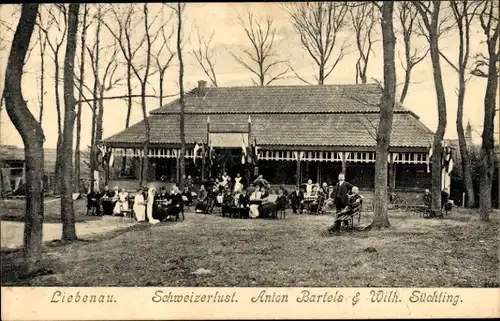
(243, 151)
(429, 159)
(449, 160)
(195, 152)
(111, 158)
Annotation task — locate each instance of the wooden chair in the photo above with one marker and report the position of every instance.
(282, 203)
(349, 216)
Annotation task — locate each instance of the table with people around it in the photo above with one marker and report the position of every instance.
(239, 198)
(146, 204)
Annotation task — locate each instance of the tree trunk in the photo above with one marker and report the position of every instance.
(487, 154)
(181, 99)
(67, 209)
(145, 162)
(57, 167)
(381, 219)
(80, 98)
(42, 76)
(464, 153)
(441, 104)
(32, 135)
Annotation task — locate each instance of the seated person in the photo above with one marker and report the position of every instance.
(354, 204)
(446, 203)
(122, 203)
(162, 195)
(427, 198)
(94, 201)
(186, 196)
(313, 206)
(297, 200)
(268, 206)
(201, 201)
(324, 188)
(255, 202)
(329, 204)
(173, 206)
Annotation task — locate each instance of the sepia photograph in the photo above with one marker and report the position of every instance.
(345, 144)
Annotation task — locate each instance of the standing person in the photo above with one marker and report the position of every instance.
(189, 183)
(296, 200)
(309, 187)
(140, 206)
(342, 189)
(150, 205)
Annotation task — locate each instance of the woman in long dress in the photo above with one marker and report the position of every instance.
(140, 206)
(149, 206)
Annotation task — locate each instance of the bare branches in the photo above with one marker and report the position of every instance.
(487, 11)
(261, 59)
(205, 56)
(363, 18)
(161, 68)
(319, 24)
(408, 18)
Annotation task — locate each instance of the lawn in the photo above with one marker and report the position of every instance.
(457, 251)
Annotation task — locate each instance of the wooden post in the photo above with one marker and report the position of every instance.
(298, 174)
(392, 173)
(318, 173)
(177, 169)
(344, 163)
(203, 163)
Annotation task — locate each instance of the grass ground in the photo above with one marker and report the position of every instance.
(458, 251)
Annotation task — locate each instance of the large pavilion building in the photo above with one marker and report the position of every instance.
(298, 133)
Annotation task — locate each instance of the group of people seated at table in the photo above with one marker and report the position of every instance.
(159, 206)
(253, 199)
(112, 202)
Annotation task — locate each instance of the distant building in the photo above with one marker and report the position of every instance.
(13, 169)
(299, 132)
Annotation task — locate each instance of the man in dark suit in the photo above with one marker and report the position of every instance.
(296, 198)
(342, 189)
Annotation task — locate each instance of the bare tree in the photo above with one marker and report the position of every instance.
(205, 56)
(42, 39)
(381, 219)
(488, 17)
(364, 18)
(179, 10)
(127, 22)
(407, 14)
(83, 38)
(433, 26)
(261, 59)
(32, 134)
(58, 18)
(463, 13)
(318, 25)
(67, 209)
(162, 61)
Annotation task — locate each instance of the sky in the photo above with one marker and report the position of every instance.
(221, 20)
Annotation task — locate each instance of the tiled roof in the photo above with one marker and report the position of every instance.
(281, 99)
(283, 129)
